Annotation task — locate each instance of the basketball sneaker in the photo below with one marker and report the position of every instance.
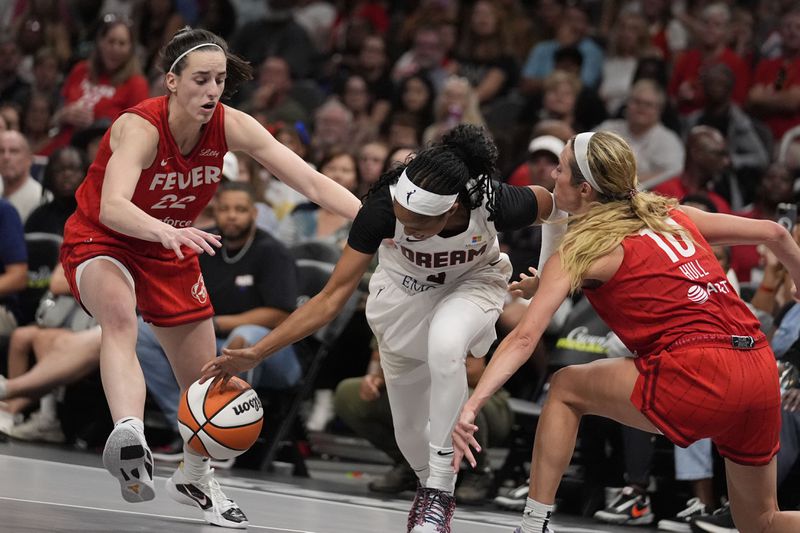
(629, 508)
(431, 512)
(680, 524)
(127, 457)
(546, 530)
(719, 522)
(515, 499)
(206, 494)
(40, 427)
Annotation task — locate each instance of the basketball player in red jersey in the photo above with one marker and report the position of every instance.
(701, 369)
(131, 244)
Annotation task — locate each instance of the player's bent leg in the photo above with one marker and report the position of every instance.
(754, 502)
(600, 388)
(188, 348)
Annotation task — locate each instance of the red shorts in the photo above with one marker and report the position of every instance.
(168, 292)
(708, 389)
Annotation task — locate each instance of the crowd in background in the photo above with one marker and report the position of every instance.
(706, 93)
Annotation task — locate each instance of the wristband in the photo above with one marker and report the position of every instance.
(764, 288)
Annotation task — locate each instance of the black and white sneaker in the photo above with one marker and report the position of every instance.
(680, 524)
(206, 494)
(127, 457)
(719, 522)
(513, 500)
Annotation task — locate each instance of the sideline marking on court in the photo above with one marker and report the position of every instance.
(137, 513)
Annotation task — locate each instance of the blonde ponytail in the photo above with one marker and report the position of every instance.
(621, 211)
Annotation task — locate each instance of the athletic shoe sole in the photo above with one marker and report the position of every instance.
(626, 519)
(127, 458)
(673, 525)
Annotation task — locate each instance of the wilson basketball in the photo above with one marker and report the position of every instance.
(220, 422)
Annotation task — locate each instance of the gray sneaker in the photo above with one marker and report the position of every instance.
(400, 478)
(515, 499)
(127, 457)
(40, 427)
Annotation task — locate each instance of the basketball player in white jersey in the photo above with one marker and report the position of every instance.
(435, 297)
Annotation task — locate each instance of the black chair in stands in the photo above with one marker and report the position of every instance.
(43, 250)
(283, 430)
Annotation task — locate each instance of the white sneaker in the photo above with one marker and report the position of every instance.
(127, 457)
(680, 524)
(322, 411)
(8, 420)
(515, 499)
(206, 494)
(40, 427)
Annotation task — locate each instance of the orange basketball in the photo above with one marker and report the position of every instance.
(220, 422)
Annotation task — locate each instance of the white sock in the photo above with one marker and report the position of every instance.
(536, 517)
(48, 406)
(441, 476)
(133, 421)
(195, 466)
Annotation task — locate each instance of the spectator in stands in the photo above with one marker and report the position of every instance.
(63, 174)
(748, 152)
(572, 31)
(36, 123)
(371, 158)
(13, 88)
(311, 222)
(333, 126)
(706, 159)
(13, 266)
(542, 158)
(362, 403)
(47, 75)
(684, 85)
(659, 151)
(253, 287)
(427, 55)
(65, 343)
(12, 114)
(271, 100)
(373, 65)
(630, 40)
(276, 33)
(775, 95)
(403, 129)
(457, 104)
(667, 33)
(156, 22)
(43, 24)
(98, 89)
(774, 187)
(19, 187)
(356, 96)
(485, 54)
(416, 95)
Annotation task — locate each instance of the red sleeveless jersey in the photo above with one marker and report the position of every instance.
(669, 286)
(174, 189)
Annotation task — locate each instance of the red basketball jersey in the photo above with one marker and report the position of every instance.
(174, 189)
(669, 286)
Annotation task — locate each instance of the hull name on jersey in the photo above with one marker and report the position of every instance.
(415, 286)
(441, 259)
(204, 175)
(694, 270)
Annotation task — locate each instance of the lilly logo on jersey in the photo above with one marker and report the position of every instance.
(204, 175)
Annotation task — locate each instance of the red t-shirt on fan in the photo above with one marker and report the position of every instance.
(667, 287)
(174, 189)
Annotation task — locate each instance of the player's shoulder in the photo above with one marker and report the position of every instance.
(131, 125)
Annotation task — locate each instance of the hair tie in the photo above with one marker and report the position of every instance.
(632, 193)
(192, 49)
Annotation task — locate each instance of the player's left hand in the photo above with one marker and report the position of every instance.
(463, 438)
(230, 363)
(526, 286)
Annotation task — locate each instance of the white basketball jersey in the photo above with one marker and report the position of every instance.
(435, 262)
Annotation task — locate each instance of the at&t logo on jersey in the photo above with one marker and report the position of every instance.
(697, 294)
(700, 294)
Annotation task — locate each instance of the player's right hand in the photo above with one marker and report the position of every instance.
(527, 285)
(195, 239)
(370, 389)
(464, 439)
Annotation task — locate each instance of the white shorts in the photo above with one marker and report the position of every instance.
(400, 321)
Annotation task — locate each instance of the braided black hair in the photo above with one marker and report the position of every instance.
(463, 162)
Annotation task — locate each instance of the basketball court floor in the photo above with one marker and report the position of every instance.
(53, 489)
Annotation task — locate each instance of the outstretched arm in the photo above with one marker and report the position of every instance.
(718, 228)
(246, 134)
(317, 312)
(511, 354)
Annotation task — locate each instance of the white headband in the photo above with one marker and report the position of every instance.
(192, 49)
(581, 149)
(416, 199)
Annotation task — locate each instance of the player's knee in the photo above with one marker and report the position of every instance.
(444, 362)
(116, 316)
(563, 386)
